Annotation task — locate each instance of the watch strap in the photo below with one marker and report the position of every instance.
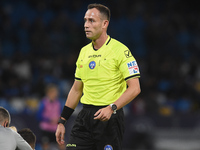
(62, 121)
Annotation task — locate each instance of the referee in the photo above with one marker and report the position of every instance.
(106, 79)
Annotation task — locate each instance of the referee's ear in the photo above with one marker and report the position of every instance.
(105, 24)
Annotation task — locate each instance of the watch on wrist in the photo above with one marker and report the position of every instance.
(61, 121)
(114, 108)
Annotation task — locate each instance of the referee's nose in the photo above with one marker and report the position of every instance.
(86, 24)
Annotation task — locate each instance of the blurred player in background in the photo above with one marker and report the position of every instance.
(49, 112)
(28, 136)
(106, 80)
(9, 138)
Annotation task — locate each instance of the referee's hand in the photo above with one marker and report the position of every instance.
(60, 134)
(103, 114)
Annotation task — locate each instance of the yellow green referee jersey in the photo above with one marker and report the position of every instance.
(104, 72)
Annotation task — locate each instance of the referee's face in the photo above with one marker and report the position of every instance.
(94, 24)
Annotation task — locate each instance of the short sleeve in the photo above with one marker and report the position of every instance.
(78, 66)
(127, 64)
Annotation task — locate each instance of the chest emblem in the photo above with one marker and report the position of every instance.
(92, 64)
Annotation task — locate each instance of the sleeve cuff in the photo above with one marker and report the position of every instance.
(79, 79)
(133, 76)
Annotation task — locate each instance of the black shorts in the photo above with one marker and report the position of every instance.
(90, 134)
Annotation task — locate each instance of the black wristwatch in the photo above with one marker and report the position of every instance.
(114, 108)
(62, 121)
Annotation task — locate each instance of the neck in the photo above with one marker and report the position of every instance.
(98, 43)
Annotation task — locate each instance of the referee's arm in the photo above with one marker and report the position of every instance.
(71, 103)
(131, 92)
(74, 94)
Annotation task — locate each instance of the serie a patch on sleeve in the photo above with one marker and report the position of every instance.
(133, 67)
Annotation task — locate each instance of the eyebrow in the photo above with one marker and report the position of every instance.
(89, 18)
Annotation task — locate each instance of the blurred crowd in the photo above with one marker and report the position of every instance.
(40, 41)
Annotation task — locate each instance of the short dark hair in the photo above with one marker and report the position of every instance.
(4, 114)
(103, 9)
(28, 136)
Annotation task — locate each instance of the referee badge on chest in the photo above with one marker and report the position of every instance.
(108, 147)
(92, 64)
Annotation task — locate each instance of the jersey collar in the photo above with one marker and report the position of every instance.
(106, 43)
